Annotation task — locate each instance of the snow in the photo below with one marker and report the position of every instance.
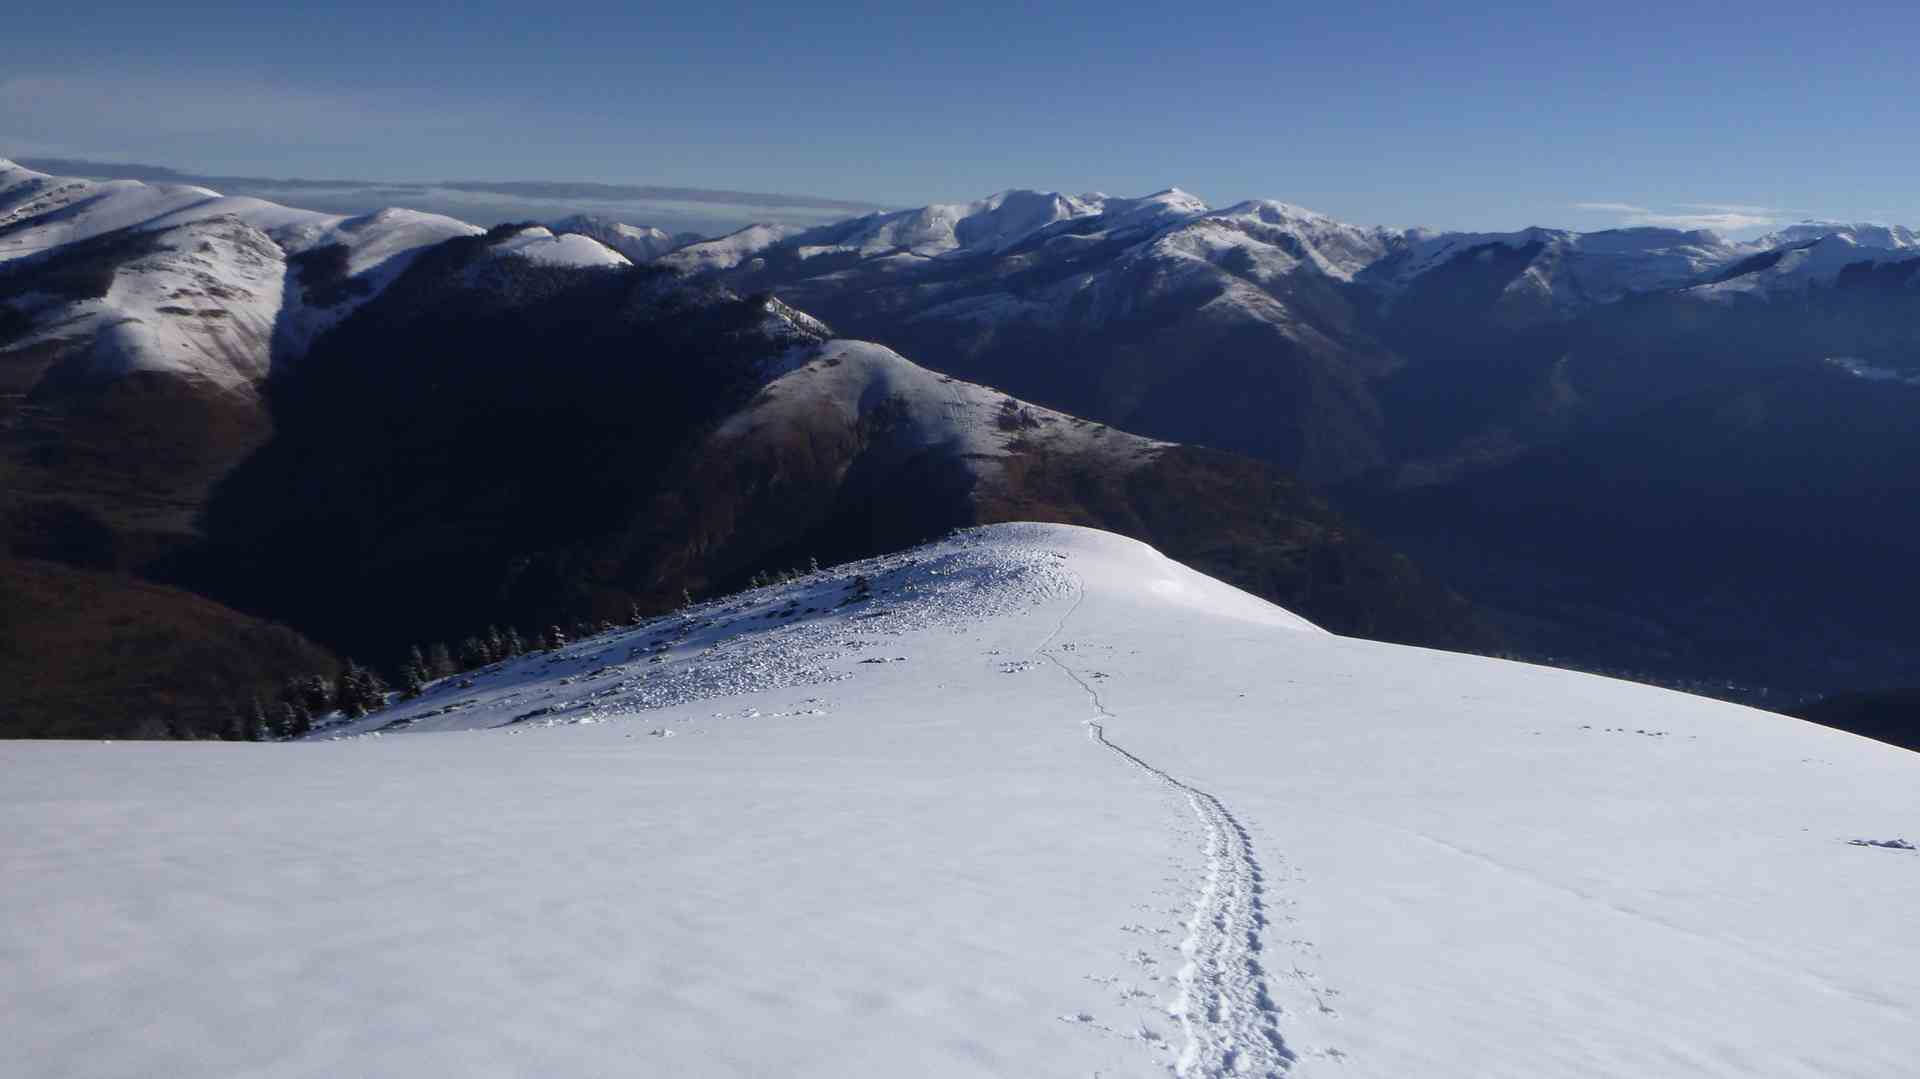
(541, 246)
(1574, 269)
(637, 243)
(201, 304)
(1863, 234)
(985, 226)
(39, 212)
(727, 252)
(1816, 261)
(836, 383)
(1093, 814)
(1332, 247)
(214, 301)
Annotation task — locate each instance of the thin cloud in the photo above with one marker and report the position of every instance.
(1690, 216)
(1719, 222)
(1738, 208)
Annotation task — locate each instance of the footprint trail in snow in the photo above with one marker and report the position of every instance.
(1230, 1021)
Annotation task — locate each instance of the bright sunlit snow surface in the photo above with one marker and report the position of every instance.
(1042, 803)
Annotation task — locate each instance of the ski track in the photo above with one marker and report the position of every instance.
(1230, 1021)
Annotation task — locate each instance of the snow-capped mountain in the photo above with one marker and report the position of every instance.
(642, 435)
(1031, 800)
(1864, 234)
(110, 278)
(1385, 360)
(727, 252)
(1564, 272)
(1818, 260)
(637, 242)
(183, 280)
(1407, 367)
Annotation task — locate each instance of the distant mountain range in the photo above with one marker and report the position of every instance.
(240, 441)
(1647, 451)
(1641, 451)
(707, 211)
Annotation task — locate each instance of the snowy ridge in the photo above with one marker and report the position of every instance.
(637, 243)
(842, 382)
(808, 633)
(943, 230)
(538, 244)
(1812, 262)
(858, 822)
(727, 252)
(1860, 233)
(1572, 269)
(213, 294)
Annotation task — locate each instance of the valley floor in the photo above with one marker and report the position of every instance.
(1043, 803)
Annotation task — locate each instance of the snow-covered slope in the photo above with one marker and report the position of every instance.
(1815, 258)
(1029, 801)
(727, 252)
(191, 282)
(540, 245)
(984, 226)
(1862, 233)
(1568, 271)
(850, 384)
(638, 243)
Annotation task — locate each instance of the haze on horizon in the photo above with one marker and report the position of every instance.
(1579, 116)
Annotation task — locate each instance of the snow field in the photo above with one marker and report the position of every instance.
(1064, 808)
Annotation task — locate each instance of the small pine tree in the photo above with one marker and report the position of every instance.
(315, 693)
(260, 727)
(555, 638)
(440, 661)
(634, 617)
(347, 698)
(686, 598)
(515, 647)
(813, 564)
(237, 725)
(413, 674)
(361, 690)
(473, 653)
(294, 720)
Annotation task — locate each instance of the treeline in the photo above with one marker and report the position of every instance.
(358, 690)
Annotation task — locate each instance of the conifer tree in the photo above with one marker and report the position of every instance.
(634, 617)
(496, 644)
(260, 727)
(473, 654)
(413, 675)
(440, 661)
(294, 720)
(361, 690)
(515, 646)
(555, 638)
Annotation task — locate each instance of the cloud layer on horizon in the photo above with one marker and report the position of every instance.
(1711, 216)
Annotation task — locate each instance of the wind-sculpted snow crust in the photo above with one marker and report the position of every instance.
(809, 631)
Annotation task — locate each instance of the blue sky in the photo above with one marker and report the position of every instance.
(1583, 115)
